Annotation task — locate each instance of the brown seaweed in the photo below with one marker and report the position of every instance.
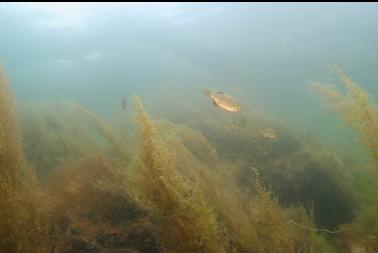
(23, 217)
(186, 223)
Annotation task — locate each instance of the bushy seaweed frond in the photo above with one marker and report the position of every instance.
(10, 156)
(241, 215)
(105, 129)
(23, 223)
(271, 221)
(186, 222)
(355, 107)
(198, 145)
(361, 114)
(53, 133)
(91, 196)
(216, 181)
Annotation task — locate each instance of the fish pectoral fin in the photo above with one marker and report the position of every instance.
(219, 92)
(215, 103)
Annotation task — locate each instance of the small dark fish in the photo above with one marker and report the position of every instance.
(124, 104)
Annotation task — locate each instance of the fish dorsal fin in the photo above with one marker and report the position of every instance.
(220, 93)
(228, 96)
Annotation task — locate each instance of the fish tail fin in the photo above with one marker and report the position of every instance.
(207, 92)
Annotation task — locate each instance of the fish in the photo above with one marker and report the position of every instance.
(124, 104)
(223, 101)
(268, 133)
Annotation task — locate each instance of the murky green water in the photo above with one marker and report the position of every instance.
(75, 70)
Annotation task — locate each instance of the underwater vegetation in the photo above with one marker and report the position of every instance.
(186, 181)
(249, 223)
(93, 210)
(297, 169)
(50, 140)
(105, 130)
(356, 109)
(23, 213)
(186, 223)
(359, 112)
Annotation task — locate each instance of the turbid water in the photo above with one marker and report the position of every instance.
(108, 144)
